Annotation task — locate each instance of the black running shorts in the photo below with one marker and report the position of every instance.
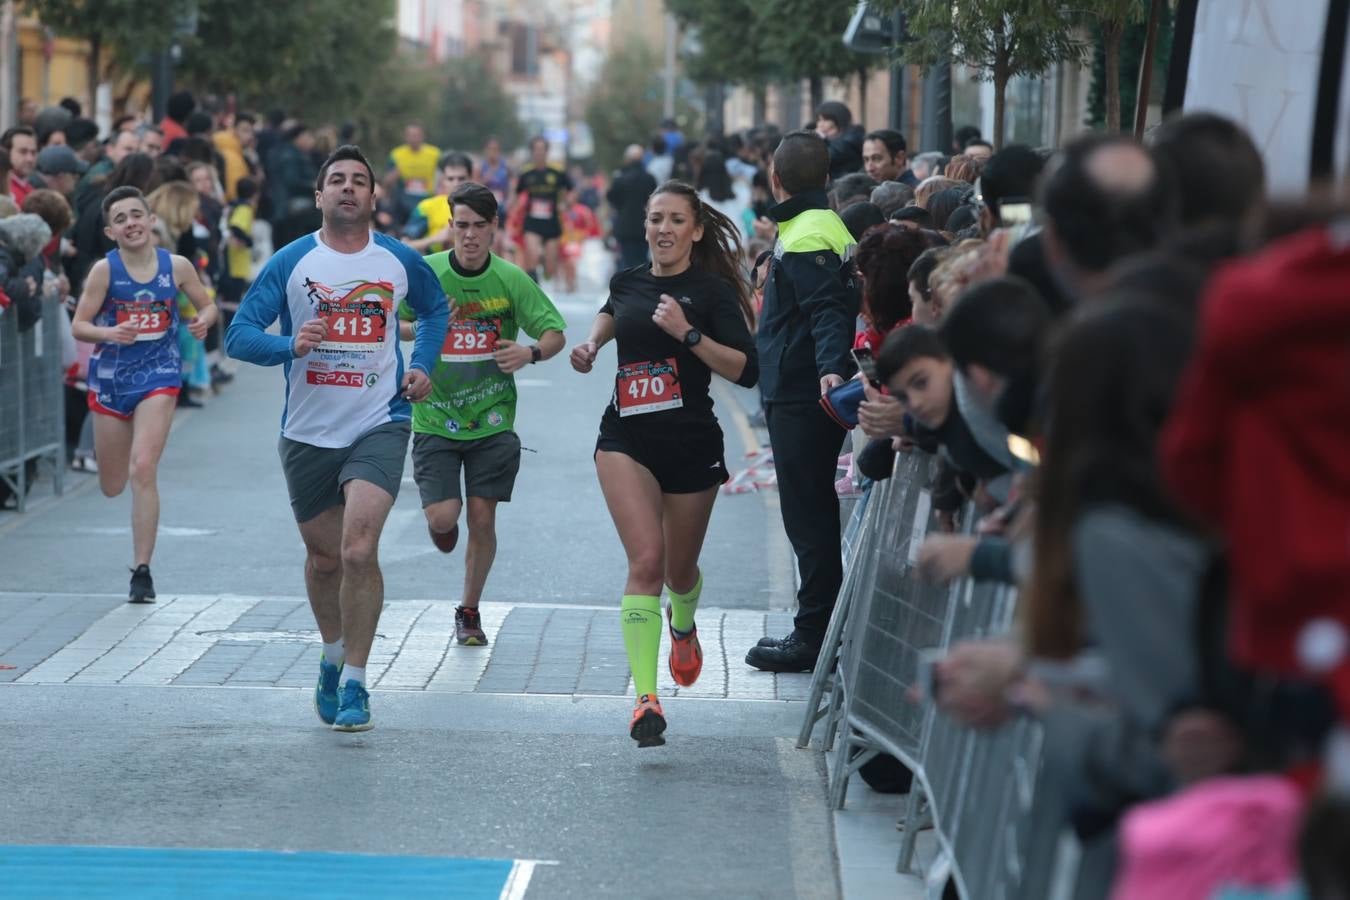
(688, 461)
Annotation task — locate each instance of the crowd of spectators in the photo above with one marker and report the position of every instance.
(1133, 365)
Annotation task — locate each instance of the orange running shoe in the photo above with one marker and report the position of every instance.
(686, 655)
(648, 722)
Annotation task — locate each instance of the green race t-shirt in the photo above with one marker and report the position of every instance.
(470, 397)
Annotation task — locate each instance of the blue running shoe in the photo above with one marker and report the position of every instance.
(354, 711)
(326, 691)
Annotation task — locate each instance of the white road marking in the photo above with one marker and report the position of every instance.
(518, 882)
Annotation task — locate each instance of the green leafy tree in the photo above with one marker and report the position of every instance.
(999, 39)
(410, 91)
(1131, 56)
(730, 46)
(804, 39)
(473, 107)
(320, 58)
(1111, 18)
(624, 106)
(122, 34)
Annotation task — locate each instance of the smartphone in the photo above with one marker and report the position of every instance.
(867, 366)
(925, 677)
(1014, 211)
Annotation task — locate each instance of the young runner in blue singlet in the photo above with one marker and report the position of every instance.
(129, 308)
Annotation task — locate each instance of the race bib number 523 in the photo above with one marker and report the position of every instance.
(149, 318)
(648, 387)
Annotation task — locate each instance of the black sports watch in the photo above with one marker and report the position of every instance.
(536, 354)
(692, 337)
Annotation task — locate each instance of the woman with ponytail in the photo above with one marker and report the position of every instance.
(676, 321)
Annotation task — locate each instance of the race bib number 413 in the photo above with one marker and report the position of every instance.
(355, 322)
(471, 340)
(648, 387)
(150, 318)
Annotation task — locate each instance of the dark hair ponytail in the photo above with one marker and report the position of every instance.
(719, 250)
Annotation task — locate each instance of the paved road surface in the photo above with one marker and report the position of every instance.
(187, 724)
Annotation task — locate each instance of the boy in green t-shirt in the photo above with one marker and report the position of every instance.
(467, 422)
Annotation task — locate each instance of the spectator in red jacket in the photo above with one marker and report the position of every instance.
(1258, 444)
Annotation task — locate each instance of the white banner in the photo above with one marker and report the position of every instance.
(1257, 61)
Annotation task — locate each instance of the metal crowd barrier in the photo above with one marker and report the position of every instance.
(974, 788)
(32, 399)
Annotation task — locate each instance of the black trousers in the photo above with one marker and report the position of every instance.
(806, 444)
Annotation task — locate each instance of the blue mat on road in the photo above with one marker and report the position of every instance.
(124, 872)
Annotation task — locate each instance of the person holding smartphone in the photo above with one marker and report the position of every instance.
(1005, 187)
(659, 456)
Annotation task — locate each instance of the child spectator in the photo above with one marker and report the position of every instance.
(239, 252)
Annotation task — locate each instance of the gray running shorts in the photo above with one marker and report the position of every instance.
(315, 475)
(490, 466)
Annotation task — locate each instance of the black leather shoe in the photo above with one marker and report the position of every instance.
(792, 654)
(770, 641)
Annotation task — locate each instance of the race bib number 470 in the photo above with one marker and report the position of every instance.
(150, 318)
(355, 322)
(648, 387)
(471, 340)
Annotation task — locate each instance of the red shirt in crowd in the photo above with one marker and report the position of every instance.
(172, 131)
(19, 189)
(1258, 443)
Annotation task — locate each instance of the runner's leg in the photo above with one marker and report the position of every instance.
(534, 249)
(685, 518)
(482, 548)
(323, 570)
(686, 524)
(150, 431)
(551, 248)
(112, 449)
(362, 592)
(635, 504)
(443, 516)
(634, 500)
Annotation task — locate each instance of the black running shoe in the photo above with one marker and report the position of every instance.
(469, 627)
(142, 586)
(649, 722)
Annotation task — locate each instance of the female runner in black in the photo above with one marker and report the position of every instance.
(659, 456)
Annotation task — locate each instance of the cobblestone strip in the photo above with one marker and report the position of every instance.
(97, 640)
(396, 623)
(461, 668)
(741, 631)
(162, 660)
(421, 651)
(32, 628)
(253, 641)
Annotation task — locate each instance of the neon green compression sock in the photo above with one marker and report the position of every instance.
(683, 606)
(641, 618)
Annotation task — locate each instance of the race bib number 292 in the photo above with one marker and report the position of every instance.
(471, 340)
